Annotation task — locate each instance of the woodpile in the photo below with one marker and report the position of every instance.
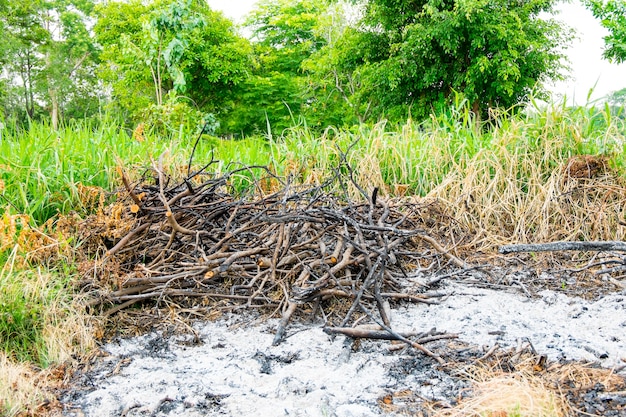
(193, 244)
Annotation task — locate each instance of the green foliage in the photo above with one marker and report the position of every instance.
(343, 76)
(177, 51)
(616, 105)
(21, 322)
(118, 27)
(612, 15)
(25, 36)
(285, 33)
(34, 303)
(417, 53)
(173, 117)
(50, 59)
(268, 101)
(289, 29)
(169, 63)
(42, 169)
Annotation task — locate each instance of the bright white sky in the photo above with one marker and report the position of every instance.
(585, 55)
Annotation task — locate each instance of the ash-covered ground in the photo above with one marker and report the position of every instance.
(230, 368)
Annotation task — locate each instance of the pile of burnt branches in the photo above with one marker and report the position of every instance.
(194, 245)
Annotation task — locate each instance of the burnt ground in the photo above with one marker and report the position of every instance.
(229, 366)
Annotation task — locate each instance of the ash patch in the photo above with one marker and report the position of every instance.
(232, 368)
(267, 361)
(434, 383)
(156, 346)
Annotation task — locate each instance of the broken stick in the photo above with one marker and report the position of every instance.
(360, 333)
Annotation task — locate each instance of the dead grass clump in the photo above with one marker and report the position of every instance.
(505, 197)
(509, 394)
(68, 331)
(529, 388)
(23, 241)
(585, 166)
(41, 327)
(25, 389)
(58, 332)
(106, 226)
(581, 377)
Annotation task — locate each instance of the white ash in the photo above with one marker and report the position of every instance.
(235, 370)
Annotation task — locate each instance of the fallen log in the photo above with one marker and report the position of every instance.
(601, 246)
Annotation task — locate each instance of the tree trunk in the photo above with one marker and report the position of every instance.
(52, 93)
(54, 108)
(476, 109)
(28, 88)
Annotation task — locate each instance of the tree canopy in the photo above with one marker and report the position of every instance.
(612, 15)
(168, 63)
(418, 52)
(49, 59)
(284, 34)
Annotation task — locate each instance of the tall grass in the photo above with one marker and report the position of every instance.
(503, 180)
(506, 174)
(41, 324)
(39, 319)
(44, 172)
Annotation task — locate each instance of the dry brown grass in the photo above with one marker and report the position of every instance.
(491, 199)
(528, 180)
(18, 387)
(508, 395)
(529, 390)
(63, 332)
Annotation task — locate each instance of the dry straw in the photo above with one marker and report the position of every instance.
(530, 390)
(509, 395)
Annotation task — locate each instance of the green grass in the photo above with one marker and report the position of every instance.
(40, 325)
(21, 323)
(501, 181)
(34, 304)
(423, 155)
(42, 171)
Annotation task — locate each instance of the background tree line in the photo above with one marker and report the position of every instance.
(171, 63)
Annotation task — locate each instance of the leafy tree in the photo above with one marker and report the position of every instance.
(49, 58)
(612, 15)
(70, 58)
(284, 35)
(3, 45)
(408, 54)
(25, 37)
(342, 75)
(119, 26)
(169, 57)
(289, 29)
